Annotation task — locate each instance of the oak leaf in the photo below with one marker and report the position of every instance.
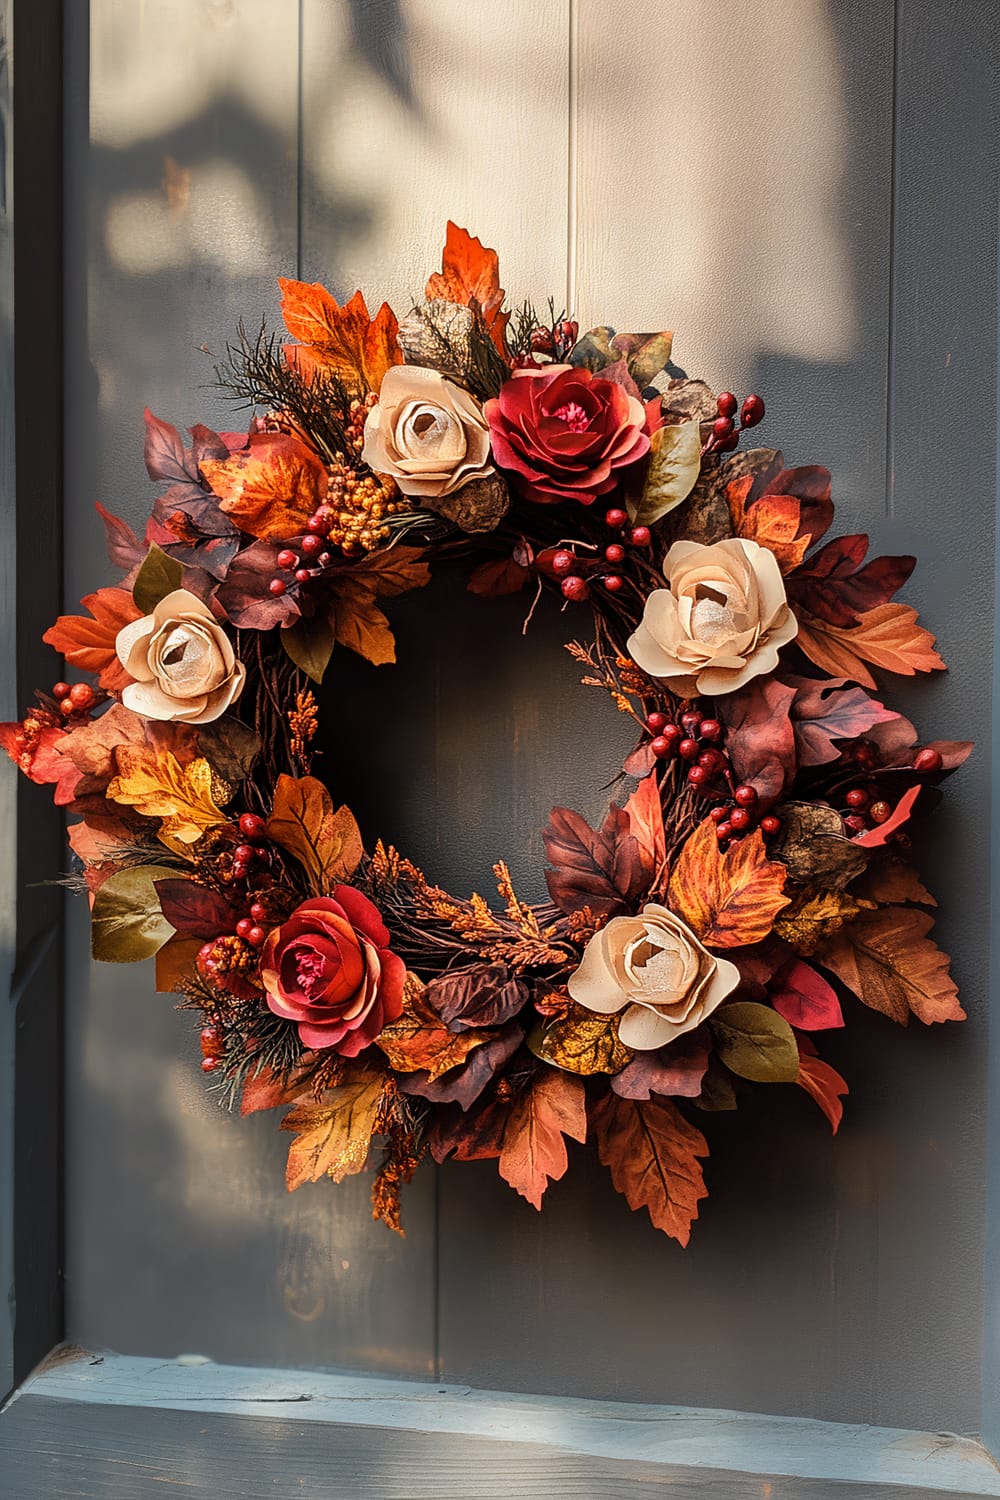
(326, 842)
(342, 341)
(728, 900)
(333, 1135)
(887, 636)
(886, 958)
(470, 276)
(419, 1042)
(155, 783)
(822, 1083)
(89, 644)
(271, 487)
(533, 1153)
(652, 1152)
(604, 869)
(837, 585)
(581, 1042)
(675, 1070)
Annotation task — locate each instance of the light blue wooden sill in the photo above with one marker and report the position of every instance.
(675, 1438)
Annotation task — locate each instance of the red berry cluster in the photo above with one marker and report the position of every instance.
(556, 342)
(312, 556)
(78, 699)
(698, 741)
(212, 1048)
(577, 573)
(253, 830)
(725, 433)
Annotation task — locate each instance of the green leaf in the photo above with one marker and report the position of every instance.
(230, 747)
(309, 643)
(755, 1042)
(674, 466)
(126, 923)
(158, 577)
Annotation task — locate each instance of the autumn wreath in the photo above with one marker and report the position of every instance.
(699, 938)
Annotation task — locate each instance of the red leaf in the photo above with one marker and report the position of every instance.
(604, 870)
(196, 910)
(644, 811)
(492, 580)
(470, 276)
(835, 587)
(652, 1152)
(267, 1089)
(823, 1082)
(760, 739)
(89, 644)
(805, 999)
(881, 833)
(828, 709)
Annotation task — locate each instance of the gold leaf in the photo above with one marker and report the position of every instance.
(814, 916)
(126, 923)
(419, 1041)
(334, 1135)
(156, 784)
(674, 465)
(582, 1042)
(755, 1042)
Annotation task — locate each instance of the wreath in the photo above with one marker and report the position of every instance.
(695, 942)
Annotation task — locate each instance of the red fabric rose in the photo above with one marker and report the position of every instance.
(560, 433)
(329, 968)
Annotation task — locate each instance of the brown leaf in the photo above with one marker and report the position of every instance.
(327, 844)
(419, 1041)
(480, 995)
(175, 963)
(890, 881)
(341, 341)
(605, 869)
(89, 645)
(728, 900)
(533, 1154)
(581, 1042)
(814, 848)
(760, 739)
(652, 1152)
(675, 1070)
(463, 1085)
(825, 710)
(886, 958)
(356, 619)
(887, 636)
(333, 1135)
(271, 487)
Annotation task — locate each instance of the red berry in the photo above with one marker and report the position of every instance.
(640, 536)
(81, 695)
(563, 561)
(324, 560)
(722, 428)
(66, 707)
(256, 936)
(928, 760)
(616, 519)
(258, 912)
(691, 724)
(741, 819)
(209, 1036)
(311, 544)
(855, 823)
(727, 404)
(244, 927)
(770, 825)
(712, 761)
(673, 732)
(613, 582)
(727, 445)
(575, 588)
(753, 411)
(288, 559)
(61, 690)
(698, 775)
(542, 341)
(251, 826)
(319, 525)
(209, 1064)
(656, 722)
(879, 812)
(710, 730)
(277, 587)
(302, 575)
(662, 747)
(615, 553)
(857, 798)
(689, 749)
(719, 814)
(746, 795)
(240, 870)
(723, 831)
(567, 332)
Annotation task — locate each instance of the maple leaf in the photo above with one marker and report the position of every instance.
(886, 958)
(533, 1153)
(326, 843)
(271, 487)
(652, 1153)
(89, 644)
(822, 1083)
(333, 1136)
(834, 586)
(470, 276)
(644, 810)
(154, 782)
(805, 999)
(825, 710)
(341, 341)
(728, 900)
(583, 1042)
(605, 870)
(890, 881)
(760, 739)
(355, 618)
(419, 1041)
(887, 636)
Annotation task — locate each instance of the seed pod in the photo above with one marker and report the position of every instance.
(438, 336)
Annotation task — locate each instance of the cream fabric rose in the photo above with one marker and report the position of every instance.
(721, 620)
(428, 434)
(654, 969)
(184, 665)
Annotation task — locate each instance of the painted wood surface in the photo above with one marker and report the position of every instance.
(758, 182)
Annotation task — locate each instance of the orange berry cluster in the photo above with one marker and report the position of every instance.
(359, 503)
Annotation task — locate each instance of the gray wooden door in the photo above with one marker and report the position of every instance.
(764, 179)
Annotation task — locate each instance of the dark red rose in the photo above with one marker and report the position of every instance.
(329, 968)
(561, 433)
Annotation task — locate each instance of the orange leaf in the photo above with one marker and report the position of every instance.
(887, 636)
(356, 619)
(333, 1135)
(825, 1085)
(326, 843)
(267, 1089)
(175, 963)
(271, 487)
(728, 900)
(419, 1041)
(653, 1151)
(644, 811)
(774, 522)
(886, 958)
(89, 645)
(342, 341)
(471, 274)
(553, 1106)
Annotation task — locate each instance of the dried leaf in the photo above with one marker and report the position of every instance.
(326, 843)
(581, 1042)
(420, 1042)
(359, 624)
(813, 846)
(825, 1085)
(309, 642)
(604, 869)
(480, 995)
(341, 341)
(334, 1135)
(464, 1085)
(774, 522)
(676, 1070)
(124, 548)
(231, 746)
(825, 710)
(755, 1042)
(886, 958)
(835, 587)
(494, 580)
(271, 487)
(760, 739)
(470, 276)
(813, 916)
(158, 576)
(887, 636)
(644, 811)
(357, 620)
(533, 1153)
(164, 451)
(126, 923)
(728, 900)
(267, 1089)
(154, 782)
(652, 1153)
(89, 644)
(689, 401)
(175, 963)
(804, 998)
(673, 467)
(890, 881)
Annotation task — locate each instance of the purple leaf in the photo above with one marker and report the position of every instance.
(827, 709)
